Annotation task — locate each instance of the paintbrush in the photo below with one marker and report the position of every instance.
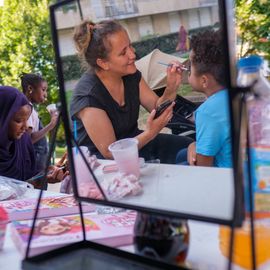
(170, 65)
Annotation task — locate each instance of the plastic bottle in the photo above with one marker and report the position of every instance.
(258, 108)
(258, 105)
(242, 243)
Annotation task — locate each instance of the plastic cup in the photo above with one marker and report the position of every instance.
(125, 154)
(51, 108)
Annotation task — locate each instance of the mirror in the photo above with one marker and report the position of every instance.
(160, 31)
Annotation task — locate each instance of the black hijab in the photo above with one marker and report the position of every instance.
(17, 158)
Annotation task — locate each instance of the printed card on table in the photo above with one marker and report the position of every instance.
(51, 233)
(58, 205)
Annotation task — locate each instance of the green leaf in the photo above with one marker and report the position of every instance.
(26, 46)
(253, 27)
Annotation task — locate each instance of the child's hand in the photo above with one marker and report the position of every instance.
(54, 117)
(55, 174)
(191, 155)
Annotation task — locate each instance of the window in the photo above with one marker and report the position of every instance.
(114, 8)
(174, 20)
(193, 18)
(205, 17)
(145, 26)
(98, 8)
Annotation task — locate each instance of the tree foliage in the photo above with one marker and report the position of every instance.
(253, 26)
(26, 45)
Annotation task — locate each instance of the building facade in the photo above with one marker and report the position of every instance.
(141, 18)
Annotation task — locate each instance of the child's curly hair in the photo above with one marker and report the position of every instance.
(208, 54)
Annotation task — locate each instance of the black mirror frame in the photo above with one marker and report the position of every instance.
(226, 22)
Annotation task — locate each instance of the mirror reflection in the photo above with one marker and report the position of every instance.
(148, 103)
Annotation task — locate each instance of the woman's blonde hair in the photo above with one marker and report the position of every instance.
(92, 41)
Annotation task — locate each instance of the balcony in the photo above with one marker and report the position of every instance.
(204, 3)
(120, 9)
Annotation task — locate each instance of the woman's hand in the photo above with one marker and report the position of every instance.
(174, 77)
(154, 126)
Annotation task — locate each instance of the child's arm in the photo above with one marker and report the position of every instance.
(195, 159)
(191, 154)
(37, 135)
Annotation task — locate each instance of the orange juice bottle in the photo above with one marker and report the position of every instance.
(242, 243)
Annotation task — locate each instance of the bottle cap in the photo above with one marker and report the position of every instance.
(251, 61)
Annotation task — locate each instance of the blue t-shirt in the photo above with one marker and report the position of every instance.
(213, 135)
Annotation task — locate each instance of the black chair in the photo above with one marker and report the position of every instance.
(181, 123)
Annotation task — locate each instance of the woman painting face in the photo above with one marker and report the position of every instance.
(18, 123)
(122, 56)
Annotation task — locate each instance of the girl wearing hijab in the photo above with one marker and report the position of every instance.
(17, 156)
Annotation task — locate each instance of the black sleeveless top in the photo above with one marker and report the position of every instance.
(90, 92)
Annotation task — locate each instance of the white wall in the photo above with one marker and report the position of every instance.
(66, 42)
(205, 16)
(193, 18)
(175, 22)
(145, 26)
(98, 8)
